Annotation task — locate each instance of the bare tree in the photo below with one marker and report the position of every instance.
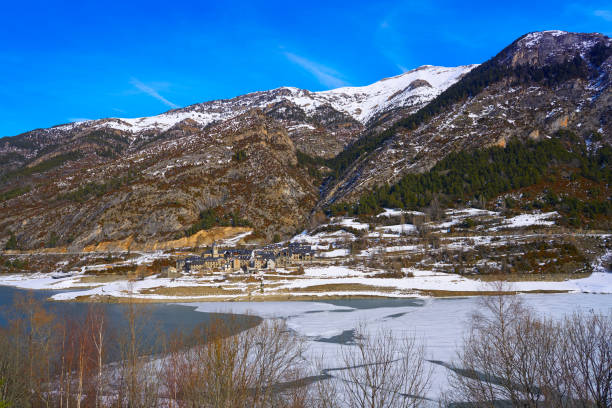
(259, 367)
(138, 382)
(512, 355)
(382, 371)
(324, 392)
(96, 330)
(587, 358)
(503, 355)
(435, 210)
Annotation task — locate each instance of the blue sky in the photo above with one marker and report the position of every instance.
(62, 61)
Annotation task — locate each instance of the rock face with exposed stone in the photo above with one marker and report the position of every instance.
(509, 108)
(148, 179)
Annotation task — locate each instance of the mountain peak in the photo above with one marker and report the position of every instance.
(533, 38)
(550, 47)
(411, 89)
(366, 102)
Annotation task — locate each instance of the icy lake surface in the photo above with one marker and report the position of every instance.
(439, 322)
(327, 326)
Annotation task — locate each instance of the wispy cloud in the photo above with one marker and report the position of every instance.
(605, 14)
(325, 75)
(402, 68)
(152, 92)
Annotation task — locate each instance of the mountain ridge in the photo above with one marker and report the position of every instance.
(208, 112)
(482, 96)
(265, 162)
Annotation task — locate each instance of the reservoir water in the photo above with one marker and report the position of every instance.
(329, 325)
(157, 319)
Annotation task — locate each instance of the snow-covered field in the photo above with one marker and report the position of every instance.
(341, 280)
(354, 258)
(349, 263)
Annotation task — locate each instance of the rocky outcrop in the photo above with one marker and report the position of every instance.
(550, 47)
(246, 168)
(510, 108)
(143, 182)
(199, 239)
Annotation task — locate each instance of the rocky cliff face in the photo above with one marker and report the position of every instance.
(547, 48)
(245, 167)
(518, 104)
(148, 179)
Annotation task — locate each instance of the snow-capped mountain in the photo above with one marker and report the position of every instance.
(411, 89)
(277, 157)
(541, 83)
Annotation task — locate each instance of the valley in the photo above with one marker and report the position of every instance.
(441, 237)
(429, 183)
(398, 254)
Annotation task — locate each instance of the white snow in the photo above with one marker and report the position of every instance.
(470, 212)
(361, 103)
(533, 39)
(333, 253)
(330, 271)
(439, 323)
(401, 228)
(351, 223)
(394, 212)
(364, 102)
(599, 281)
(525, 220)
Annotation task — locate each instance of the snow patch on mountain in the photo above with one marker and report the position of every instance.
(532, 39)
(410, 89)
(563, 41)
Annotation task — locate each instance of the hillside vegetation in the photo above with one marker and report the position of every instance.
(471, 84)
(483, 175)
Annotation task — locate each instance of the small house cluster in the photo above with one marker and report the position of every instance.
(246, 260)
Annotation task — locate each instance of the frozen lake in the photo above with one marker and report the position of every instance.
(329, 325)
(440, 322)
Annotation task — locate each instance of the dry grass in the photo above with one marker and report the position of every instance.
(280, 297)
(254, 296)
(101, 278)
(465, 293)
(343, 287)
(190, 291)
(529, 277)
(253, 279)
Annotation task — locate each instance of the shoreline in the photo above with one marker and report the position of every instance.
(315, 283)
(314, 298)
(291, 297)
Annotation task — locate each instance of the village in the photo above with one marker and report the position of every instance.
(233, 260)
(395, 254)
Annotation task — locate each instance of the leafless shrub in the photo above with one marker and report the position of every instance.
(384, 372)
(251, 368)
(26, 361)
(587, 358)
(324, 392)
(514, 356)
(48, 360)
